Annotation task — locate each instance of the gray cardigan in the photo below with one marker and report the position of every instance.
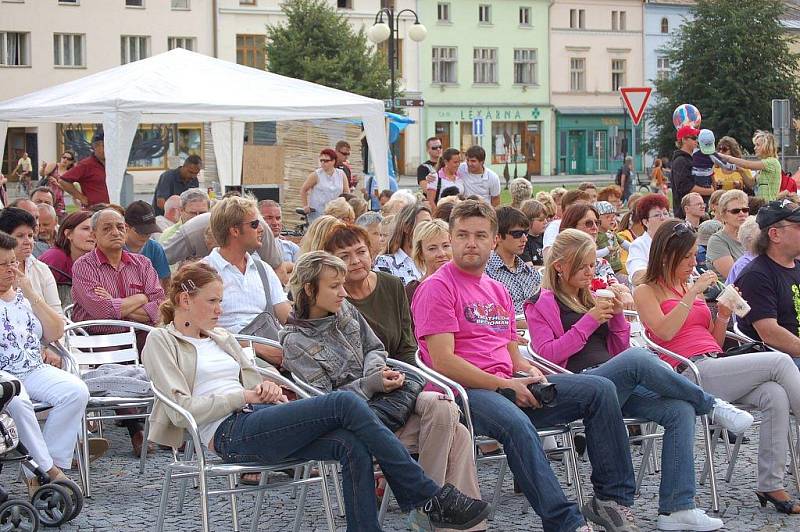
(339, 352)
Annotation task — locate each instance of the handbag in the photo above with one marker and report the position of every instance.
(747, 347)
(265, 324)
(395, 407)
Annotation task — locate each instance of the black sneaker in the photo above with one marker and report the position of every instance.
(450, 508)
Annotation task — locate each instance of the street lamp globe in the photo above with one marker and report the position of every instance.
(417, 32)
(379, 32)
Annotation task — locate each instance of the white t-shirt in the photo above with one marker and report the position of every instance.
(638, 254)
(485, 185)
(217, 373)
(244, 297)
(550, 234)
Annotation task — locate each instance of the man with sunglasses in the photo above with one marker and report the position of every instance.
(681, 179)
(435, 149)
(252, 288)
(771, 282)
(505, 264)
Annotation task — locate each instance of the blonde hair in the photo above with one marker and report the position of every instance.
(520, 190)
(307, 271)
(748, 234)
(557, 193)
(230, 212)
(447, 199)
(570, 248)
(339, 208)
(359, 206)
(768, 149)
(546, 199)
(398, 202)
(533, 209)
(318, 232)
(424, 231)
(729, 197)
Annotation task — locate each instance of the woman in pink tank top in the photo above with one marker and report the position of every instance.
(676, 317)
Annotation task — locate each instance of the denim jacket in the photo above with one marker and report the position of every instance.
(338, 352)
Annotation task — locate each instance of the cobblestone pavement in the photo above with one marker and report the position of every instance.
(124, 500)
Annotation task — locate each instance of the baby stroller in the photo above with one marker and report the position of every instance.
(54, 503)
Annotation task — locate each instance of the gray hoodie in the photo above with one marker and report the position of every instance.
(339, 352)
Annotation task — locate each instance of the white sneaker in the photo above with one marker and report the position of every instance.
(694, 519)
(729, 417)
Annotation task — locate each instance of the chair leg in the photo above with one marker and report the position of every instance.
(143, 456)
(201, 477)
(162, 507)
(733, 457)
(87, 485)
(259, 502)
(647, 454)
(713, 446)
(793, 456)
(326, 498)
(384, 504)
(501, 475)
(80, 459)
(234, 506)
(337, 488)
(301, 502)
(297, 472)
(187, 455)
(709, 447)
(573, 463)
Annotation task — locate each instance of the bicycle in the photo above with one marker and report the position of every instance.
(301, 228)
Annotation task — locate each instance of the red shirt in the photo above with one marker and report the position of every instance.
(135, 275)
(90, 173)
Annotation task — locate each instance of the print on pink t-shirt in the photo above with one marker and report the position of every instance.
(477, 310)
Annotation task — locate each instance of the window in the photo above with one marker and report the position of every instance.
(251, 50)
(134, 3)
(14, 49)
(187, 43)
(444, 61)
(134, 47)
(623, 21)
(581, 18)
(663, 71)
(524, 16)
(614, 20)
(443, 12)
(665, 25)
(577, 74)
(69, 2)
(485, 14)
(515, 142)
(68, 49)
(525, 67)
(617, 74)
(484, 65)
(247, 2)
(577, 18)
(180, 4)
(344, 4)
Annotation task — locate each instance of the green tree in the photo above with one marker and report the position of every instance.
(317, 44)
(729, 62)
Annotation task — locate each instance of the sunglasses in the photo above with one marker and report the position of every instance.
(439, 147)
(325, 160)
(745, 210)
(591, 223)
(253, 224)
(67, 157)
(681, 229)
(344, 153)
(518, 233)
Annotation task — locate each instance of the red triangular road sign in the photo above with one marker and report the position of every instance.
(635, 99)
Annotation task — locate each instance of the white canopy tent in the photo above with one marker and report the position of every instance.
(182, 86)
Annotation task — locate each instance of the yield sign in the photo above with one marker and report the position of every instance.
(635, 99)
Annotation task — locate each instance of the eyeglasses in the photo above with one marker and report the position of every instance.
(691, 137)
(439, 147)
(9, 265)
(658, 215)
(517, 233)
(253, 224)
(68, 157)
(325, 160)
(745, 210)
(591, 223)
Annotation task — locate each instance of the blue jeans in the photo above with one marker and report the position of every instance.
(337, 426)
(586, 397)
(649, 389)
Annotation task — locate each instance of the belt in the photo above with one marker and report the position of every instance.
(683, 366)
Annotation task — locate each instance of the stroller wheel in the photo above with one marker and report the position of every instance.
(76, 496)
(18, 516)
(53, 503)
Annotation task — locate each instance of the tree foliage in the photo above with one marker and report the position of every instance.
(729, 62)
(317, 44)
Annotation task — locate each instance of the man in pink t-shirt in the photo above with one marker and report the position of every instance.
(466, 330)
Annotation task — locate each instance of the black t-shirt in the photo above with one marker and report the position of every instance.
(772, 291)
(533, 250)
(424, 170)
(171, 184)
(681, 180)
(595, 352)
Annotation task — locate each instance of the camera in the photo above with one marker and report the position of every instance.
(545, 393)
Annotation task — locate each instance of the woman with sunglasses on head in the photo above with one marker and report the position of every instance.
(586, 332)
(585, 218)
(741, 178)
(724, 247)
(676, 317)
(50, 172)
(322, 185)
(651, 211)
(768, 167)
(397, 259)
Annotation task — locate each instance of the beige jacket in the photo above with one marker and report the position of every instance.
(171, 364)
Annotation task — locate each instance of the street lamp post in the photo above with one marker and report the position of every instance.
(380, 31)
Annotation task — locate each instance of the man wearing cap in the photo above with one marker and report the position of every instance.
(682, 179)
(90, 174)
(140, 221)
(607, 241)
(771, 282)
(176, 181)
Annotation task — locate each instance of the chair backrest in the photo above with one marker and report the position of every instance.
(109, 348)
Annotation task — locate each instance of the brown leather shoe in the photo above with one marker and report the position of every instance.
(137, 441)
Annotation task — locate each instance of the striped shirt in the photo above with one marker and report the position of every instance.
(135, 275)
